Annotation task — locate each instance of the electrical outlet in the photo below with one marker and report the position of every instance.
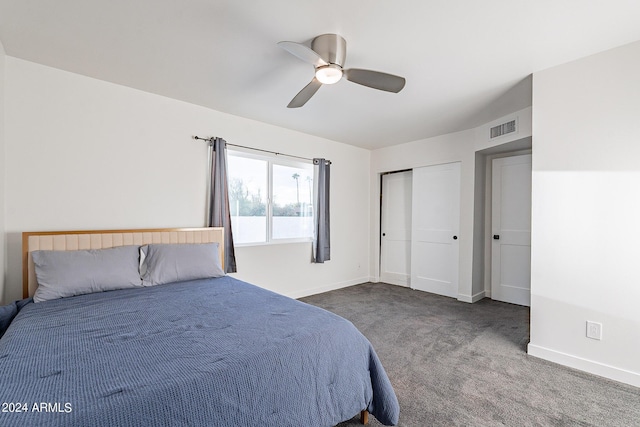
(594, 330)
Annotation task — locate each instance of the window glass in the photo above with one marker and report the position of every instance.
(269, 200)
(248, 199)
(292, 204)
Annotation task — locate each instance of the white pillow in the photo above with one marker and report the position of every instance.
(67, 273)
(167, 263)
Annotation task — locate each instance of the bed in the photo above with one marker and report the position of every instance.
(212, 351)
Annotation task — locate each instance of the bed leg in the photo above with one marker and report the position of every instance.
(364, 417)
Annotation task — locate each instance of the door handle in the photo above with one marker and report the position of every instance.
(384, 234)
(455, 237)
(496, 237)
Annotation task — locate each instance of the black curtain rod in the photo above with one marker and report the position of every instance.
(210, 141)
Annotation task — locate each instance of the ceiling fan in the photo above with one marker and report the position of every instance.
(327, 55)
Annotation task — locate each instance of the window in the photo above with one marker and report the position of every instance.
(271, 200)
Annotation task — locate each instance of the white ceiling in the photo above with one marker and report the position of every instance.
(466, 61)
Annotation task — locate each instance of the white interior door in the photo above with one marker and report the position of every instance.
(511, 229)
(395, 230)
(435, 225)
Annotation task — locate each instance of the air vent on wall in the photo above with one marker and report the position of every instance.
(503, 129)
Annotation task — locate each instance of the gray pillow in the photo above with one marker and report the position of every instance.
(167, 263)
(67, 273)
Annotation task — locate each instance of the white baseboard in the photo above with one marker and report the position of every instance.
(471, 298)
(327, 288)
(596, 368)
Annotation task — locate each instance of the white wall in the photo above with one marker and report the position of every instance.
(87, 154)
(2, 172)
(455, 147)
(586, 210)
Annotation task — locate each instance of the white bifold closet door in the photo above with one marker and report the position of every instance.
(395, 230)
(435, 227)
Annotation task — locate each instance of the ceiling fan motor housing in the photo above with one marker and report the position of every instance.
(331, 47)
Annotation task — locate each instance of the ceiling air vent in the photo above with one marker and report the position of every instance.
(503, 129)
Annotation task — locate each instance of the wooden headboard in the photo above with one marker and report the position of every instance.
(103, 239)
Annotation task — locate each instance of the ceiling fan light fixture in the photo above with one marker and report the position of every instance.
(329, 74)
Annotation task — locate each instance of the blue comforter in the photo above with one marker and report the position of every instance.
(215, 352)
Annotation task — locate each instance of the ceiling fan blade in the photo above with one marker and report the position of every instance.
(303, 52)
(375, 79)
(305, 94)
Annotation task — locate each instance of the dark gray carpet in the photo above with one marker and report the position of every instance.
(459, 364)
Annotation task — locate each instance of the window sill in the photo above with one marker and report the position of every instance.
(273, 242)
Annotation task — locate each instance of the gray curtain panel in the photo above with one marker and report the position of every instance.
(219, 213)
(322, 243)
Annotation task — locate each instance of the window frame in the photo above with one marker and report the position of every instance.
(272, 160)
